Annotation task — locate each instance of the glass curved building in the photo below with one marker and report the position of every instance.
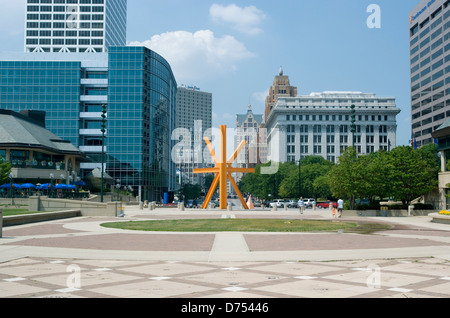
(139, 89)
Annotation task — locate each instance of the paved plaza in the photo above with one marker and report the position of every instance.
(77, 258)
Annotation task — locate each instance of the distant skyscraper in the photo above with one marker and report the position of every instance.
(75, 25)
(281, 88)
(429, 38)
(194, 113)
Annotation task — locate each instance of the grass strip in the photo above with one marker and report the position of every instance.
(234, 225)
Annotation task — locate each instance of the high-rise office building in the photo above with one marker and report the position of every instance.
(135, 83)
(281, 87)
(430, 67)
(194, 116)
(75, 25)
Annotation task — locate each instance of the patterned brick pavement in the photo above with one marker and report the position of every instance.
(78, 258)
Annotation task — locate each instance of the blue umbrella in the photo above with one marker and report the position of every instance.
(71, 187)
(8, 186)
(61, 186)
(28, 186)
(43, 186)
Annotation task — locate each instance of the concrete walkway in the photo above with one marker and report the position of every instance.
(44, 259)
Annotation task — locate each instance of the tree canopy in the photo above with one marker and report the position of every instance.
(402, 174)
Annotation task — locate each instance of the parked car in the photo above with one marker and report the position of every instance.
(278, 203)
(309, 203)
(192, 204)
(291, 204)
(326, 205)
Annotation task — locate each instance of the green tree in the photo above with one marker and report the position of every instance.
(344, 177)
(413, 172)
(5, 170)
(312, 168)
(191, 191)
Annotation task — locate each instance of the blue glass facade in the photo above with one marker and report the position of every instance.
(139, 89)
(53, 87)
(141, 117)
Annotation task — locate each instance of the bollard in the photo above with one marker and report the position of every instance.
(275, 208)
(1, 222)
(230, 208)
(285, 208)
(141, 205)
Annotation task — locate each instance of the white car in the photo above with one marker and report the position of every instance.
(307, 203)
(278, 203)
(291, 204)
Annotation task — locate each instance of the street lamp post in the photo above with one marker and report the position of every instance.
(11, 176)
(103, 130)
(299, 179)
(353, 129)
(52, 176)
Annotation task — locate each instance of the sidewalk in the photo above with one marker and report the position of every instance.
(412, 260)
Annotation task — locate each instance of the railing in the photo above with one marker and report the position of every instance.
(38, 164)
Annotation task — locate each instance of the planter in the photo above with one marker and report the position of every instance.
(439, 218)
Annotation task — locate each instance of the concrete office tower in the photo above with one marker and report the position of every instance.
(281, 88)
(75, 25)
(320, 125)
(194, 113)
(429, 36)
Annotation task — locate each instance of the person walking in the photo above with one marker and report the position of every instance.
(340, 207)
(301, 205)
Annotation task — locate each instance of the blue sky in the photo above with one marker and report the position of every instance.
(233, 49)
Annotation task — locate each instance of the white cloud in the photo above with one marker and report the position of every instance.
(246, 20)
(197, 55)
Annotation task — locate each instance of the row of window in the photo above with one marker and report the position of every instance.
(336, 117)
(82, 25)
(64, 42)
(317, 150)
(69, 18)
(65, 9)
(66, 1)
(330, 129)
(71, 33)
(331, 139)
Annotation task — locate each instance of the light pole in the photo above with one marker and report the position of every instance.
(52, 176)
(11, 176)
(353, 129)
(299, 179)
(103, 130)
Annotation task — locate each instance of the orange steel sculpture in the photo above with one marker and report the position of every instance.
(223, 171)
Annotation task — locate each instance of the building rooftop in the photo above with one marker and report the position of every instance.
(17, 130)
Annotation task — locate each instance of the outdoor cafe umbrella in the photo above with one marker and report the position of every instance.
(8, 186)
(28, 186)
